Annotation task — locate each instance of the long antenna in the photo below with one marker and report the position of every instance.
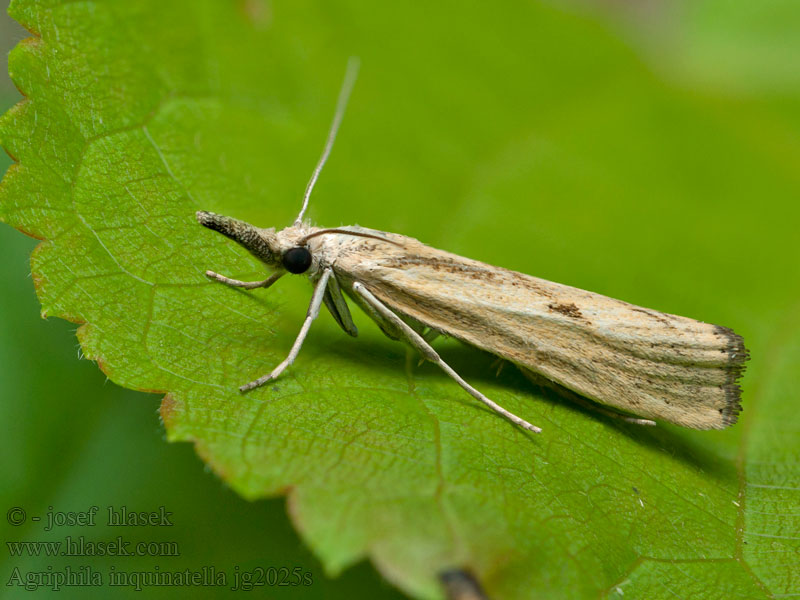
(344, 95)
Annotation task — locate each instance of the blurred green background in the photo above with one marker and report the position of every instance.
(690, 147)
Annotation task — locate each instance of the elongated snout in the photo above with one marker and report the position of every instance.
(227, 226)
(261, 243)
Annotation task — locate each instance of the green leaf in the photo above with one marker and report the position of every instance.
(519, 134)
(112, 454)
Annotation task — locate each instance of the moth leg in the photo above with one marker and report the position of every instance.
(578, 399)
(248, 285)
(431, 334)
(388, 327)
(313, 313)
(616, 415)
(429, 353)
(428, 336)
(609, 412)
(498, 364)
(337, 306)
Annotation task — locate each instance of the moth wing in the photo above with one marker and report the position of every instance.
(650, 363)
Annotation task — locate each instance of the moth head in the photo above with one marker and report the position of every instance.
(261, 243)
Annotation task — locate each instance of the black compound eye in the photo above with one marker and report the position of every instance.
(297, 260)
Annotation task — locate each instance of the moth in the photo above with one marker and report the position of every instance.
(628, 359)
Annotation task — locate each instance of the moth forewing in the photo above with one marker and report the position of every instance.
(634, 359)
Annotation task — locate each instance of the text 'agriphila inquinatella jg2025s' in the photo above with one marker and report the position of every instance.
(634, 360)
